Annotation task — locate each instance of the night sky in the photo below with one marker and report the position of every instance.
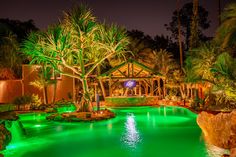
(148, 16)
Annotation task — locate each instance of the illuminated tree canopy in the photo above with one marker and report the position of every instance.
(78, 43)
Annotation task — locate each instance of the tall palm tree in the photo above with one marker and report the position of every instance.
(219, 12)
(179, 35)
(226, 33)
(194, 36)
(164, 63)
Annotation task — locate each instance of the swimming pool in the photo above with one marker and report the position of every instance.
(135, 132)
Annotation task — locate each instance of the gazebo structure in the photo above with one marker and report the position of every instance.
(132, 83)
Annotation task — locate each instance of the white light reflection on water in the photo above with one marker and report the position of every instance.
(131, 136)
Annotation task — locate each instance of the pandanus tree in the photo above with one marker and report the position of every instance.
(35, 47)
(81, 44)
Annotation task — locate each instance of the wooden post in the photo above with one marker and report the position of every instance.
(95, 91)
(151, 87)
(164, 88)
(110, 87)
(139, 88)
(132, 66)
(126, 91)
(191, 92)
(128, 70)
(159, 86)
(146, 89)
(187, 91)
(102, 87)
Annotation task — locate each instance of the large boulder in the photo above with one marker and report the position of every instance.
(219, 129)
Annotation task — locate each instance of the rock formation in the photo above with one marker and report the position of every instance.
(5, 137)
(219, 130)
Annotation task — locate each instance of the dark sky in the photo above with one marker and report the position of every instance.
(148, 16)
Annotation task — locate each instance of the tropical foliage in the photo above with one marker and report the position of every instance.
(9, 54)
(226, 33)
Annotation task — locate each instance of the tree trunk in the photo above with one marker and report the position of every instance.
(54, 89)
(45, 95)
(194, 39)
(182, 90)
(164, 88)
(86, 99)
(219, 11)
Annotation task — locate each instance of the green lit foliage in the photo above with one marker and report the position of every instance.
(43, 48)
(202, 60)
(199, 64)
(44, 80)
(80, 44)
(225, 73)
(207, 63)
(112, 39)
(224, 67)
(31, 100)
(211, 63)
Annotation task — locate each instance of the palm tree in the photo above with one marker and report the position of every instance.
(164, 63)
(225, 74)
(219, 12)
(194, 37)
(179, 36)
(199, 63)
(203, 58)
(226, 33)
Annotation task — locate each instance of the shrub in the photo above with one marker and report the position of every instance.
(33, 100)
(64, 106)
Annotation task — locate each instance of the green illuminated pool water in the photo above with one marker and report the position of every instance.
(135, 132)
